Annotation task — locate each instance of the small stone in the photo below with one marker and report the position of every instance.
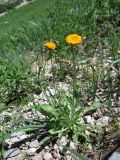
(48, 156)
(63, 141)
(8, 142)
(56, 147)
(99, 112)
(30, 104)
(23, 137)
(72, 145)
(61, 149)
(69, 156)
(29, 114)
(115, 156)
(89, 120)
(56, 155)
(87, 133)
(31, 151)
(24, 147)
(34, 144)
(37, 157)
(17, 134)
(51, 91)
(27, 143)
(90, 147)
(36, 96)
(11, 153)
(25, 115)
(47, 147)
(18, 157)
(103, 121)
(15, 140)
(115, 110)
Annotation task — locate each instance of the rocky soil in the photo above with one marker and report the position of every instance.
(34, 146)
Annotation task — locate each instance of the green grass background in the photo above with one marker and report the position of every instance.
(29, 12)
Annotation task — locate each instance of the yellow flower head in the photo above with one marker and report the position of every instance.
(50, 45)
(74, 39)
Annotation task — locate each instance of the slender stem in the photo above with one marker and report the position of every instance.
(74, 74)
(53, 74)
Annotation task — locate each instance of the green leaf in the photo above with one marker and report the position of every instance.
(77, 155)
(4, 136)
(23, 120)
(56, 132)
(75, 138)
(46, 110)
(68, 103)
(95, 105)
(28, 128)
(3, 106)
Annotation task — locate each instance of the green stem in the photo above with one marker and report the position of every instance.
(53, 74)
(74, 74)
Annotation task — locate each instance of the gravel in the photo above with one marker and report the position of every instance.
(103, 121)
(31, 151)
(115, 156)
(48, 156)
(34, 144)
(89, 119)
(12, 153)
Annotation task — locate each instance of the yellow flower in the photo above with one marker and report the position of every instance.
(74, 39)
(50, 45)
